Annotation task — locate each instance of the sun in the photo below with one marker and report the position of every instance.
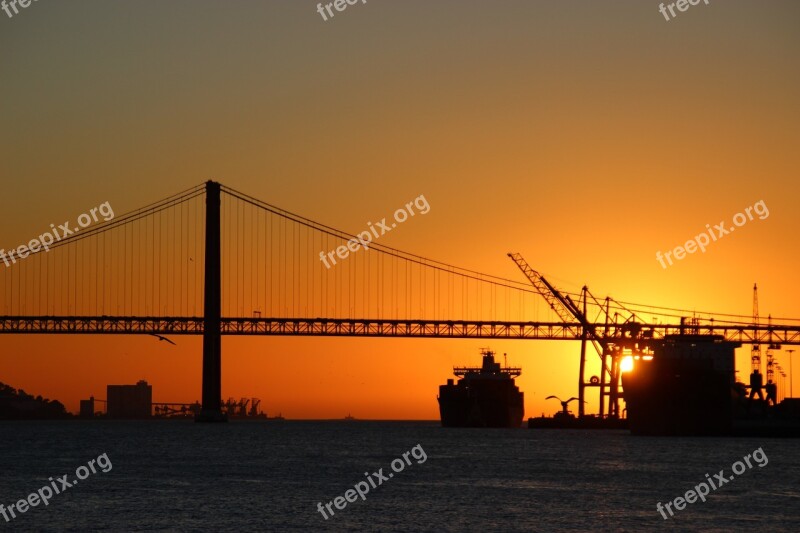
(626, 365)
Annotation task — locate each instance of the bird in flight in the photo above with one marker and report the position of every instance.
(160, 338)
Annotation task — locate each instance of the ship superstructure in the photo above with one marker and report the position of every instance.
(484, 396)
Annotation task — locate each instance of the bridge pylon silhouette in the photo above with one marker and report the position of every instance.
(212, 311)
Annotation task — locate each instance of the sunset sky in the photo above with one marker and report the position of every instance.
(586, 135)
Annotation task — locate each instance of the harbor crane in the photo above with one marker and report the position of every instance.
(254, 407)
(567, 310)
(756, 379)
(755, 348)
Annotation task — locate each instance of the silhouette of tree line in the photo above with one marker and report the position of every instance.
(19, 405)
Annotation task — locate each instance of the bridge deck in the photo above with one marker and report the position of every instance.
(336, 327)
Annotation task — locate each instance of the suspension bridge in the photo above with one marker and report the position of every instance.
(214, 261)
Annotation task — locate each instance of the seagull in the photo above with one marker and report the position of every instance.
(159, 337)
(563, 403)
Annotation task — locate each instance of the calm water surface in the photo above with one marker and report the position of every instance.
(269, 476)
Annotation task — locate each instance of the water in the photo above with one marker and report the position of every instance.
(269, 476)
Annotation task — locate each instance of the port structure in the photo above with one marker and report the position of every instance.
(755, 348)
(771, 347)
(610, 353)
(159, 270)
(511, 371)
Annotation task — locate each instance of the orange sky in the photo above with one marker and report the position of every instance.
(586, 135)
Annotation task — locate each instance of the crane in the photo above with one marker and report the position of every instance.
(771, 364)
(567, 310)
(254, 407)
(770, 356)
(756, 380)
(243, 407)
(755, 349)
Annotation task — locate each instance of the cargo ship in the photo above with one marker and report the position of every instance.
(484, 396)
(687, 387)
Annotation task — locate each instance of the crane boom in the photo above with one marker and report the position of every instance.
(563, 305)
(566, 309)
(552, 296)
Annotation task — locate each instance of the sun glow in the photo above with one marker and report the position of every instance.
(626, 365)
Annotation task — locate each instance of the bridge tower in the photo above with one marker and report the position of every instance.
(212, 308)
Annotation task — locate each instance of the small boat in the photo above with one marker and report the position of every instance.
(570, 421)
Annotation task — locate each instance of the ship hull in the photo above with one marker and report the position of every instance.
(677, 397)
(686, 398)
(493, 403)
